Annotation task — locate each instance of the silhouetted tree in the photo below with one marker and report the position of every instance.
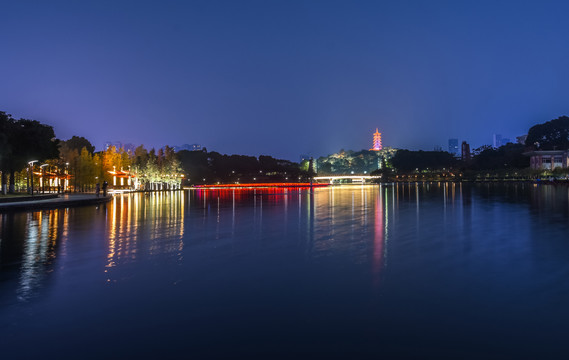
(28, 140)
(77, 143)
(214, 167)
(509, 156)
(550, 135)
(268, 163)
(6, 125)
(194, 164)
(407, 160)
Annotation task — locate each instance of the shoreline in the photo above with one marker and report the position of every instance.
(73, 200)
(23, 198)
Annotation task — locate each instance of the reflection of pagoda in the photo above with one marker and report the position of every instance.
(376, 141)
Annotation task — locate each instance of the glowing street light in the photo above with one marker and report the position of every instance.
(66, 181)
(31, 170)
(42, 183)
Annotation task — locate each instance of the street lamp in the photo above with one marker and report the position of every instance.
(66, 181)
(42, 180)
(31, 170)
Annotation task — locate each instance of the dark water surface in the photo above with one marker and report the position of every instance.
(404, 271)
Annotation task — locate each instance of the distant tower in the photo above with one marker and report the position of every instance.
(497, 140)
(465, 151)
(453, 146)
(376, 141)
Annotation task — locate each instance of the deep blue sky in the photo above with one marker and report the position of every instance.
(285, 77)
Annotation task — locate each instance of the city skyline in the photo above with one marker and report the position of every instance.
(377, 145)
(321, 75)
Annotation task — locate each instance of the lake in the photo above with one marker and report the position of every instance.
(437, 270)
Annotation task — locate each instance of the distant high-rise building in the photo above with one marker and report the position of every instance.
(465, 151)
(192, 147)
(497, 140)
(438, 148)
(376, 141)
(453, 146)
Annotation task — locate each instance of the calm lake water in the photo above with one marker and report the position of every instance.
(399, 271)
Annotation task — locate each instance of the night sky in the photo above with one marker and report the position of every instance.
(285, 78)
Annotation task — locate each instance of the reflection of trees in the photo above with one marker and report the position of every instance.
(145, 225)
(549, 199)
(28, 247)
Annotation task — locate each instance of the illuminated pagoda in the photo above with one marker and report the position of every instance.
(376, 141)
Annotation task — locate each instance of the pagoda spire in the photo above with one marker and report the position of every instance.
(376, 141)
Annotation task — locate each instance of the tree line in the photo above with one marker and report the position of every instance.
(21, 141)
(486, 161)
(205, 167)
(507, 160)
(76, 161)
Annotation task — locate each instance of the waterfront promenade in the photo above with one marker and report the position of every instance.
(41, 202)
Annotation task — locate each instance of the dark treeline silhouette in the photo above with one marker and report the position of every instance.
(73, 164)
(509, 156)
(408, 161)
(504, 161)
(24, 140)
(21, 141)
(212, 167)
(551, 135)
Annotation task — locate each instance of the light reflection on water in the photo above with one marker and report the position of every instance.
(396, 261)
(151, 223)
(39, 251)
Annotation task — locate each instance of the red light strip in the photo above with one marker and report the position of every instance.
(261, 185)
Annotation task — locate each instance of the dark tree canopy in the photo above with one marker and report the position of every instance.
(268, 163)
(509, 156)
(30, 140)
(407, 160)
(214, 166)
(6, 126)
(223, 165)
(22, 141)
(77, 143)
(194, 164)
(551, 135)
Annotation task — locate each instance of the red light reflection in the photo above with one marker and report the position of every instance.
(272, 194)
